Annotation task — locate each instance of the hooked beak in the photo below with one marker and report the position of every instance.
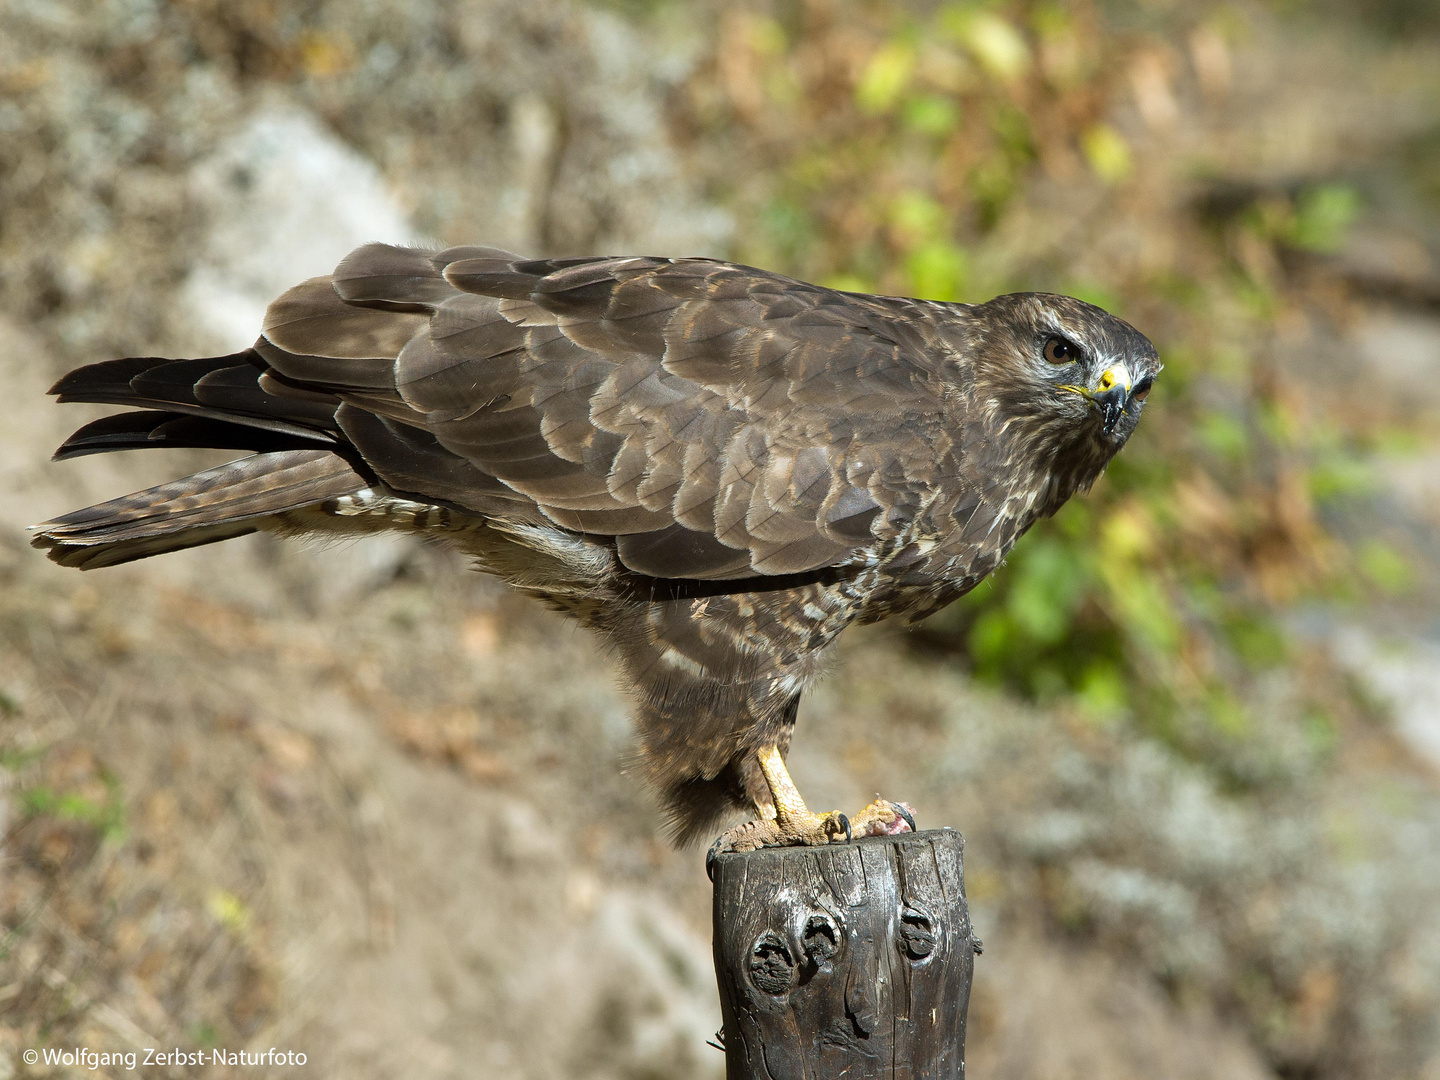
(1110, 396)
(1113, 395)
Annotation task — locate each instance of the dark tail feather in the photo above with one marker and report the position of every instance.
(222, 402)
(234, 389)
(217, 504)
(142, 430)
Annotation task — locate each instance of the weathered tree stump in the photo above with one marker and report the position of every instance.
(850, 960)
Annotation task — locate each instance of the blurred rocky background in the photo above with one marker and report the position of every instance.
(360, 803)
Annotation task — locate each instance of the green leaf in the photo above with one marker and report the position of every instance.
(1384, 566)
(1337, 476)
(937, 270)
(1323, 216)
(917, 217)
(1102, 693)
(931, 114)
(788, 226)
(885, 78)
(846, 282)
(228, 910)
(767, 36)
(1223, 435)
(1259, 642)
(1227, 714)
(1049, 582)
(991, 637)
(998, 46)
(1094, 293)
(108, 817)
(1321, 733)
(1107, 152)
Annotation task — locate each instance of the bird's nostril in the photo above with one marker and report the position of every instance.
(1115, 376)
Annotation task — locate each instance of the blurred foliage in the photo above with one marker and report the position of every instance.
(958, 151)
(108, 816)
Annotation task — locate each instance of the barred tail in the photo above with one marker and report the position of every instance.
(217, 504)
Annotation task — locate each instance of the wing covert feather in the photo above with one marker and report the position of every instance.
(717, 421)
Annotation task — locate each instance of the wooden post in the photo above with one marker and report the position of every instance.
(851, 960)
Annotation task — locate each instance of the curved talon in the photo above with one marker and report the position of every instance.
(791, 822)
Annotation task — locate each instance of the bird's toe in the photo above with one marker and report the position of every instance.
(816, 830)
(881, 818)
(805, 830)
(884, 818)
(749, 836)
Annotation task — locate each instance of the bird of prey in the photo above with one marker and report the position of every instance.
(714, 467)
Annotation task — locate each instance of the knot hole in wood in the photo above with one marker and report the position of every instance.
(850, 959)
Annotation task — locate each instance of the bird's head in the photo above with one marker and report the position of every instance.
(1063, 376)
(1059, 385)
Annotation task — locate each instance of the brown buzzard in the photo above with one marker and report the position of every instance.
(716, 468)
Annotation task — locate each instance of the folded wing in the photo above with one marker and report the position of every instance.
(717, 421)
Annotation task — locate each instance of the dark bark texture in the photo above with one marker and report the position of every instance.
(852, 960)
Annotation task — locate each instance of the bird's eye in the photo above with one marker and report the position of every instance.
(1060, 351)
(1142, 388)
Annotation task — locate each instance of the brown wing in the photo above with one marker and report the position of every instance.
(716, 420)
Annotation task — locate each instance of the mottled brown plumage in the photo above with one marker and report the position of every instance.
(715, 467)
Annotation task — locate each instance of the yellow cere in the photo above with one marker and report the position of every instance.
(1116, 374)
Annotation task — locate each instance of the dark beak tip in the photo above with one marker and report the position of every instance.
(1112, 402)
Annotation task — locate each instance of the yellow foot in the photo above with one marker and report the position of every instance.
(880, 818)
(790, 823)
(807, 829)
(794, 830)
